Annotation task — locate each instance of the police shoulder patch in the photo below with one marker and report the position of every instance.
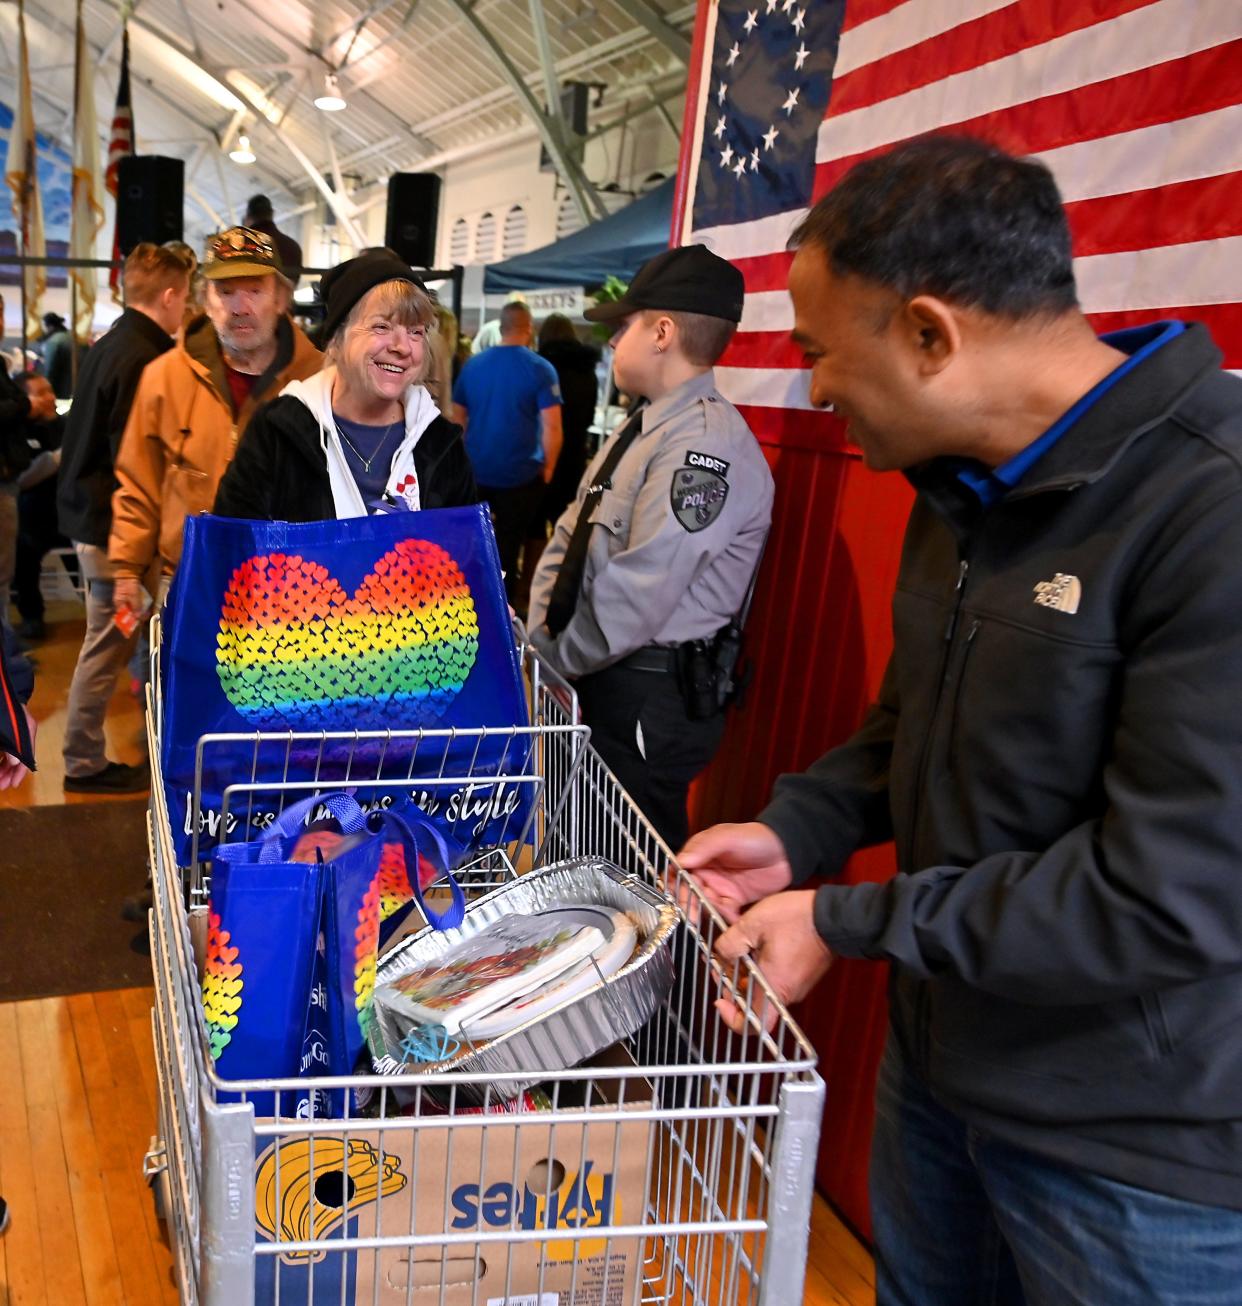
(698, 496)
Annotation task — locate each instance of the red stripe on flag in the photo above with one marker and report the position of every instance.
(762, 349)
(858, 12)
(1204, 209)
(1224, 321)
(993, 36)
(1200, 82)
(765, 271)
(790, 428)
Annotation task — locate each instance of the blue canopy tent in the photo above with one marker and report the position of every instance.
(614, 246)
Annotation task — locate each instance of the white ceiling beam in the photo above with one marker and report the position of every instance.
(655, 24)
(351, 61)
(655, 102)
(279, 34)
(586, 200)
(623, 42)
(356, 26)
(547, 65)
(193, 193)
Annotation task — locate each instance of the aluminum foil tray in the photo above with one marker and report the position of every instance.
(581, 1026)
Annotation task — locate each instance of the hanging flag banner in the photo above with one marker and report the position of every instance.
(21, 174)
(86, 214)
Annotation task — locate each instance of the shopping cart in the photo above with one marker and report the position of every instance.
(681, 1172)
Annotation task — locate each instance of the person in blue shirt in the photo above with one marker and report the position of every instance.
(508, 401)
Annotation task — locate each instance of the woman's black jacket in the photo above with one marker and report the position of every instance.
(280, 471)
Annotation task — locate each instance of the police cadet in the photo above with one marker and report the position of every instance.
(638, 595)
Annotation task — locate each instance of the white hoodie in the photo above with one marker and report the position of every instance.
(402, 485)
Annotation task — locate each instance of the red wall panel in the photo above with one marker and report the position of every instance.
(819, 636)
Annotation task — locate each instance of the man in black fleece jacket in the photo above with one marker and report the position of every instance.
(1055, 751)
(157, 285)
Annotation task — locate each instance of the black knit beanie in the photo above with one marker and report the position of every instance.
(343, 286)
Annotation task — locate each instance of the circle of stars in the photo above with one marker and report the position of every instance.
(741, 163)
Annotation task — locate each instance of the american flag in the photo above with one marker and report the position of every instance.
(120, 143)
(1135, 105)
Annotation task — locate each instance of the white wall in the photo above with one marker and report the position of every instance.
(510, 175)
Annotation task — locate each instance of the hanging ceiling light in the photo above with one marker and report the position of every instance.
(241, 152)
(330, 101)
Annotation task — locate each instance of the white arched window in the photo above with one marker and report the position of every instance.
(459, 242)
(485, 239)
(513, 240)
(567, 218)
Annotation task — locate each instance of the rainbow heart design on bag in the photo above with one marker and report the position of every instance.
(388, 891)
(222, 987)
(295, 651)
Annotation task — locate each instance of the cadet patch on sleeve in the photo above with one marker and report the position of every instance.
(698, 495)
(707, 462)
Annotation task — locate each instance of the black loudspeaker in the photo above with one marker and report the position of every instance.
(149, 200)
(413, 211)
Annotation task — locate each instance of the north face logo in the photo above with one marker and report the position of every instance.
(1064, 593)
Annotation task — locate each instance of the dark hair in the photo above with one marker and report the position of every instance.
(512, 316)
(54, 322)
(258, 206)
(950, 216)
(556, 327)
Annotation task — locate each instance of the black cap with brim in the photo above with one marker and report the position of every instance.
(690, 279)
(343, 286)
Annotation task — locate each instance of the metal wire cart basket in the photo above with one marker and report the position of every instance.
(677, 1169)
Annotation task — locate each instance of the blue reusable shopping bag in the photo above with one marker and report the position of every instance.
(294, 931)
(394, 622)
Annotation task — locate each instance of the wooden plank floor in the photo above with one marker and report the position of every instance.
(78, 1095)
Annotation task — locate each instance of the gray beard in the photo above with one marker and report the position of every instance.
(244, 356)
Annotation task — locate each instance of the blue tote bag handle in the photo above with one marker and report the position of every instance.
(342, 806)
(395, 823)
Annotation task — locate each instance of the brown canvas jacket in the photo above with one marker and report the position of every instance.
(180, 437)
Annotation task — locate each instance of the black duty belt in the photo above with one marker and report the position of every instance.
(653, 657)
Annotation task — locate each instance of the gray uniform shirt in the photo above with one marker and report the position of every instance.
(673, 543)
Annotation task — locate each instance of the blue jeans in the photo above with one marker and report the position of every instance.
(962, 1219)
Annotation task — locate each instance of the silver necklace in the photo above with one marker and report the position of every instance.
(379, 448)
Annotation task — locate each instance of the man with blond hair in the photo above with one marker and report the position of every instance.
(157, 282)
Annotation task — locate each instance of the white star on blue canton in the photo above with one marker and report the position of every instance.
(753, 93)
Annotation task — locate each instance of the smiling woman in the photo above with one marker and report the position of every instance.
(364, 435)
